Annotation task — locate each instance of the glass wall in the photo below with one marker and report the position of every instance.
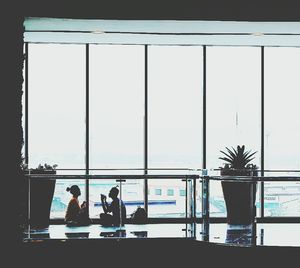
(116, 112)
(166, 198)
(175, 106)
(62, 197)
(233, 108)
(116, 105)
(56, 105)
(282, 129)
(198, 199)
(175, 82)
(98, 187)
(131, 193)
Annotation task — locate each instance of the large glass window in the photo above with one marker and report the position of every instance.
(282, 129)
(132, 195)
(282, 199)
(198, 198)
(175, 106)
(282, 124)
(56, 105)
(62, 197)
(233, 108)
(116, 106)
(175, 81)
(57, 120)
(161, 203)
(98, 187)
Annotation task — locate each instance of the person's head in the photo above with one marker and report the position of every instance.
(74, 190)
(113, 193)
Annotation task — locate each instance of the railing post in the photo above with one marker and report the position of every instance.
(205, 205)
(120, 180)
(28, 211)
(87, 127)
(253, 222)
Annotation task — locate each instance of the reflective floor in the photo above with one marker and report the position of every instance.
(97, 232)
(267, 234)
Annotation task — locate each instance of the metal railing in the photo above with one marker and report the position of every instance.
(190, 184)
(190, 193)
(190, 180)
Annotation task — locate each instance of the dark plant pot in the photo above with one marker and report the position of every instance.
(239, 197)
(41, 195)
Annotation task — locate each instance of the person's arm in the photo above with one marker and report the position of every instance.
(83, 208)
(83, 205)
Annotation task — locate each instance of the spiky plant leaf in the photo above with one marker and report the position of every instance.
(226, 159)
(232, 153)
(237, 158)
(229, 156)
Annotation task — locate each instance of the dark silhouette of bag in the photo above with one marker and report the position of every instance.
(139, 216)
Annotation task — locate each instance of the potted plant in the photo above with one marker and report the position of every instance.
(239, 196)
(41, 195)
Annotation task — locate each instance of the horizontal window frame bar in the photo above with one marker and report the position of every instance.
(57, 221)
(107, 177)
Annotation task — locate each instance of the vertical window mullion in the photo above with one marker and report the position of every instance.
(87, 128)
(262, 214)
(186, 197)
(204, 109)
(26, 104)
(146, 131)
(205, 202)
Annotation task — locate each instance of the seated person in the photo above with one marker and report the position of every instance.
(76, 215)
(113, 219)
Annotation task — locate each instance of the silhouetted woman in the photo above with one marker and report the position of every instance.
(75, 214)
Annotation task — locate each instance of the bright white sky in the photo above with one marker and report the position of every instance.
(57, 105)
(175, 82)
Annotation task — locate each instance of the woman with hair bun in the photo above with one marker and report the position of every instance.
(76, 214)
